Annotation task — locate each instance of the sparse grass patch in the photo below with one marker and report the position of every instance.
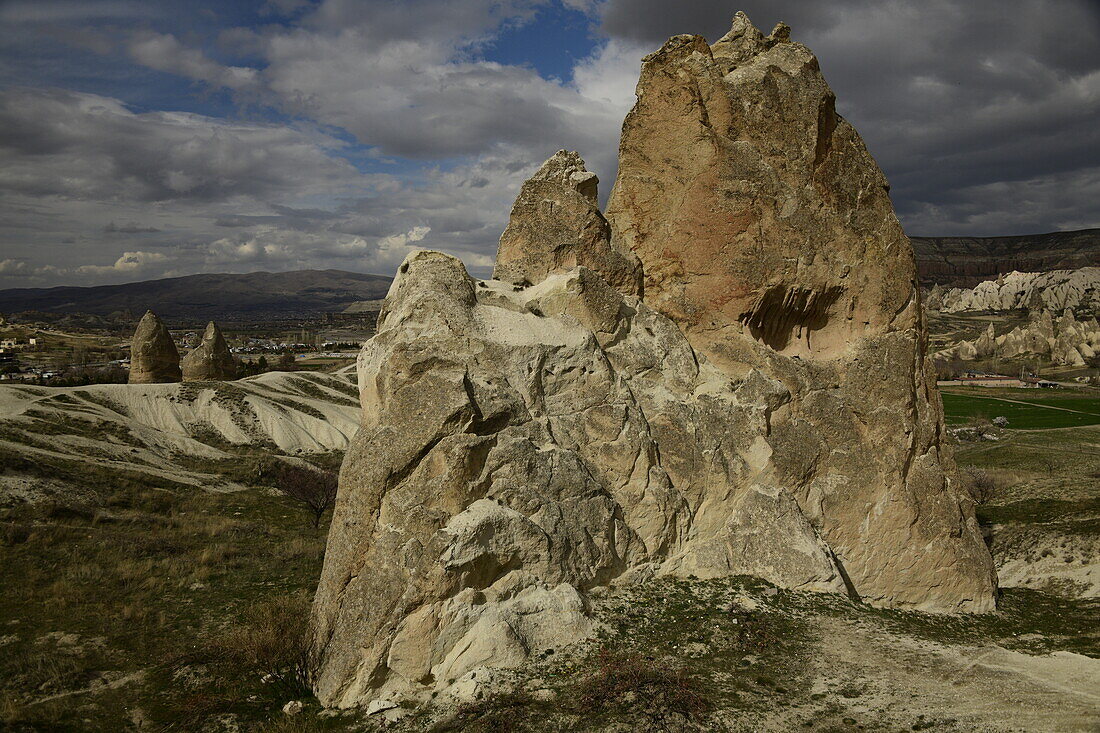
(663, 691)
(158, 576)
(501, 713)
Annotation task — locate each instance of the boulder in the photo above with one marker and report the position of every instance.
(764, 407)
(153, 355)
(211, 360)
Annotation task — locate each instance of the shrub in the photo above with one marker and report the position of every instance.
(314, 488)
(627, 678)
(501, 713)
(272, 641)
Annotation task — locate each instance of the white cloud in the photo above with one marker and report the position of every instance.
(163, 52)
(128, 263)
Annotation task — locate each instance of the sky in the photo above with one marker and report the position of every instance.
(143, 139)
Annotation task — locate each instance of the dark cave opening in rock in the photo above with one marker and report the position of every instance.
(796, 321)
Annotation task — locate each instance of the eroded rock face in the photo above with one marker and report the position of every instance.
(765, 409)
(520, 448)
(1064, 340)
(153, 355)
(556, 225)
(766, 232)
(1036, 291)
(211, 360)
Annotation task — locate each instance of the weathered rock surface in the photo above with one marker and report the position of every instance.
(766, 232)
(153, 355)
(765, 409)
(1056, 290)
(211, 360)
(556, 225)
(1066, 341)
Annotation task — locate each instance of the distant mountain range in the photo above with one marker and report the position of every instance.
(949, 261)
(302, 293)
(966, 261)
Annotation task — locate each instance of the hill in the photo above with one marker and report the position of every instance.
(256, 294)
(966, 261)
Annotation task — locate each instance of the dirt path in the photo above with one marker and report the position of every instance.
(890, 682)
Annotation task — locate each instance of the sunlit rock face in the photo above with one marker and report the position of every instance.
(762, 406)
(556, 225)
(766, 233)
(153, 355)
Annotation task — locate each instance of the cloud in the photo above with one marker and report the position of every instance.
(54, 11)
(64, 143)
(389, 127)
(113, 228)
(163, 52)
(128, 263)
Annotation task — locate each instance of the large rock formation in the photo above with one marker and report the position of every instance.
(153, 355)
(765, 230)
(1066, 341)
(211, 360)
(1057, 290)
(766, 408)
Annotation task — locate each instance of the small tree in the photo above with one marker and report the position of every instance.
(312, 487)
(982, 487)
(1047, 462)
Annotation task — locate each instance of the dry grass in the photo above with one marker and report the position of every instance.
(272, 641)
(161, 577)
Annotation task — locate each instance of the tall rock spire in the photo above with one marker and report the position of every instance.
(556, 225)
(153, 354)
(766, 232)
(211, 360)
(763, 407)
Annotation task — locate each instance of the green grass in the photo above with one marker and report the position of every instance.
(164, 585)
(1043, 409)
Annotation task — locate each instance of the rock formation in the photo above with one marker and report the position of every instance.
(1056, 290)
(1066, 341)
(153, 355)
(766, 408)
(211, 360)
(556, 225)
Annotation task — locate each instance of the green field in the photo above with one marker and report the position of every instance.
(1026, 409)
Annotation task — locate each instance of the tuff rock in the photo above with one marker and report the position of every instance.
(1065, 341)
(765, 408)
(556, 225)
(1055, 290)
(153, 355)
(211, 360)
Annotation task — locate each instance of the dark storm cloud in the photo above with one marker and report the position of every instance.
(982, 113)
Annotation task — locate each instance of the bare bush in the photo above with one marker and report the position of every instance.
(982, 486)
(665, 692)
(273, 642)
(314, 488)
